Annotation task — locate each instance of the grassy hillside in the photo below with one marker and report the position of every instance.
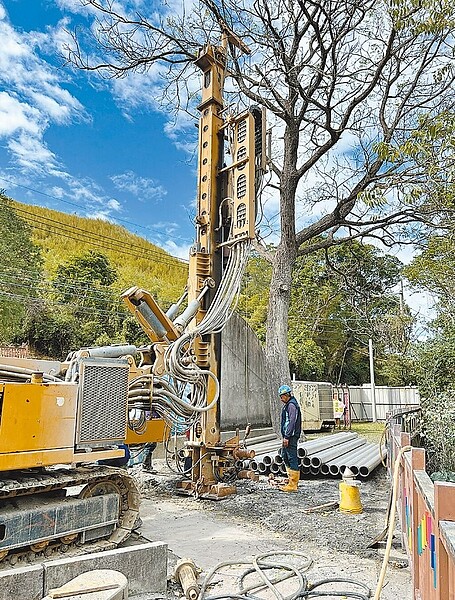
(138, 262)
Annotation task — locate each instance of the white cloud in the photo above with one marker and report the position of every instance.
(141, 187)
(178, 250)
(17, 116)
(74, 6)
(114, 205)
(30, 152)
(32, 99)
(99, 214)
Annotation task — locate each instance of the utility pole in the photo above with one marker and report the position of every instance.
(372, 385)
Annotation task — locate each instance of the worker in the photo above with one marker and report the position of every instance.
(291, 428)
(148, 452)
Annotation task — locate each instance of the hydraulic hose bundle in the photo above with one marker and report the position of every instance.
(181, 370)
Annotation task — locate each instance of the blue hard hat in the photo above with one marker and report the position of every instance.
(284, 389)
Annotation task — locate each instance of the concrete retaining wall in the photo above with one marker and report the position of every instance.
(144, 565)
(26, 583)
(245, 386)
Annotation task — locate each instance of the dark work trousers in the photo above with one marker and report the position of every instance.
(290, 453)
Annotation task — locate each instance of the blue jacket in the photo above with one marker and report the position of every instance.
(291, 419)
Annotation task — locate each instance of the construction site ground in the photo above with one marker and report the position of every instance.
(260, 519)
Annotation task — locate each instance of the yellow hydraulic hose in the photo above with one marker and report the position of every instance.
(388, 547)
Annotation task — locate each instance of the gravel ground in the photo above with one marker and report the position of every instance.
(337, 542)
(268, 508)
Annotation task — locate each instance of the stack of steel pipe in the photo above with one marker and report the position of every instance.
(328, 455)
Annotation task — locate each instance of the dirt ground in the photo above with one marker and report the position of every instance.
(260, 519)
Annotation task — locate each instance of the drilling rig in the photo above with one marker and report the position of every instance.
(60, 421)
(186, 349)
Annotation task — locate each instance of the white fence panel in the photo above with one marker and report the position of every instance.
(387, 399)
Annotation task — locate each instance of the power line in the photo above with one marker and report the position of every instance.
(82, 207)
(84, 232)
(80, 308)
(20, 277)
(47, 224)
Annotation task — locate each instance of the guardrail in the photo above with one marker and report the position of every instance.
(427, 520)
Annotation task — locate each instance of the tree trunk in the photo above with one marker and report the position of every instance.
(276, 344)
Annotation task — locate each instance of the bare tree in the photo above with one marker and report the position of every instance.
(347, 83)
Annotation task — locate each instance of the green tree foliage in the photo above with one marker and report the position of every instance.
(20, 270)
(434, 272)
(86, 265)
(439, 430)
(340, 298)
(83, 283)
(81, 309)
(135, 260)
(432, 146)
(51, 331)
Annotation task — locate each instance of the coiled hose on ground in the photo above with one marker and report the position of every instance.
(272, 572)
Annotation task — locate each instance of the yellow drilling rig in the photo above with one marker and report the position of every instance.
(60, 421)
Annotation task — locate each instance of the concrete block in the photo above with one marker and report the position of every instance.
(144, 565)
(103, 584)
(26, 583)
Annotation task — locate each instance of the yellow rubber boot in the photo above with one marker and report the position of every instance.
(292, 486)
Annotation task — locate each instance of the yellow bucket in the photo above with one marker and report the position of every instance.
(350, 498)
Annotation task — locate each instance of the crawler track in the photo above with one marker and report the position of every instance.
(95, 480)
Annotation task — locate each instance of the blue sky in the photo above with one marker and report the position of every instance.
(79, 144)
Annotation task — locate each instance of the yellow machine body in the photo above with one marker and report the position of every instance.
(38, 427)
(156, 430)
